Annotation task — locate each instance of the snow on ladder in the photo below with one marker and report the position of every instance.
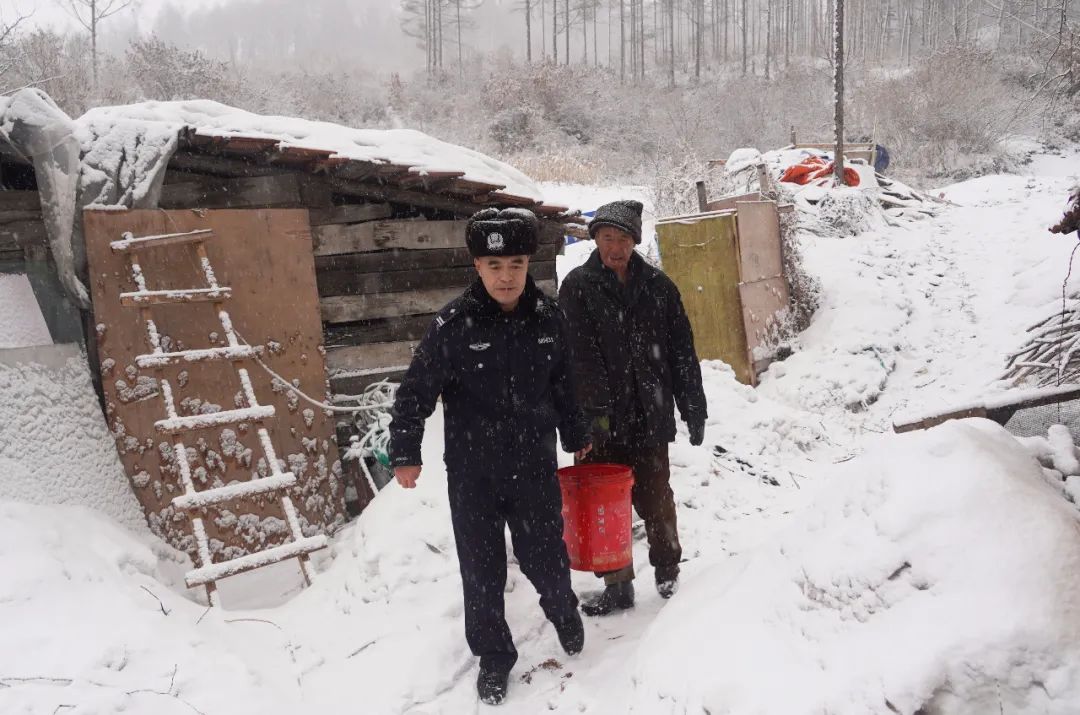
(192, 501)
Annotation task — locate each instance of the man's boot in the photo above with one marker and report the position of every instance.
(616, 597)
(571, 634)
(667, 581)
(491, 686)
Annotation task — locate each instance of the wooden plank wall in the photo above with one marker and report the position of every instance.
(22, 230)
(381, 282)
(383, 269)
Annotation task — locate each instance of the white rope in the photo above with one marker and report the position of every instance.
(322, 405)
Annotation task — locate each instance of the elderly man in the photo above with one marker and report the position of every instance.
(498, 357)
(634, 356)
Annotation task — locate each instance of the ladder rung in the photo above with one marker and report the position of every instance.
(240, 490)
(131, 243)
(173, 425)
(216, 572)
(239, 352)
(164, 297)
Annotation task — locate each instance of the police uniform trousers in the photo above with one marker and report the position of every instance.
(481, 507)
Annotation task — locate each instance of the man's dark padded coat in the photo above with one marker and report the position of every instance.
(661, 368)
(506, 385)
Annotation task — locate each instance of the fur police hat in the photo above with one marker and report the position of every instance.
(510, 232)
(623, 215)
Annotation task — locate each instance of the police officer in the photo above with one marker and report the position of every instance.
(498, 357)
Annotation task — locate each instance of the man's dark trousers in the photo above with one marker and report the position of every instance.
(481, 507)
(653, 500)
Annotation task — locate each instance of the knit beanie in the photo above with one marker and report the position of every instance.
(509, 232)
(623, 215)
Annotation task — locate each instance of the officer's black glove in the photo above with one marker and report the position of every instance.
(600, 430)
(697, 431)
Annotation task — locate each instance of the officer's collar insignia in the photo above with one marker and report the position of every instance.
(495, 241)
(478, 347)
(546, 340)
(440, 321)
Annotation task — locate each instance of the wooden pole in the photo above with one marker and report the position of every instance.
(838, 89)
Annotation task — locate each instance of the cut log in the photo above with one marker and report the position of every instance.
(352, 283)
(350, 213)
(386, 330)
(369, 357)
(20, 201)
(195, 164)
(22, 234)
(15, 216)
(407, 260)
(278, 190)
(380, 192)
(379, 235)
(998, 408)
(347, 309)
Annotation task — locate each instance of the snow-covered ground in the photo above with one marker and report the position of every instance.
(831, 566)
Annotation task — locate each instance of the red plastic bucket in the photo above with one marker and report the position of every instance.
(596, 516)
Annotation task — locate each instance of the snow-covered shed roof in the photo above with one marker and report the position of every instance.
(397, 157)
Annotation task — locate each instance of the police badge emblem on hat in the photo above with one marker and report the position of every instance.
(495, 241)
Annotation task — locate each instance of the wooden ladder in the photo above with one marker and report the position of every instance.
(191, 501)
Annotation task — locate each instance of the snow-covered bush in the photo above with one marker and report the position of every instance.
(935, 120)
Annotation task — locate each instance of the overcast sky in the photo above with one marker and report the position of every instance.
(314, 30)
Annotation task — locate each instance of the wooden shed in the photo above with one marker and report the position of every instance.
(337, 250)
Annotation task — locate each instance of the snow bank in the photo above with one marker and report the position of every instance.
(423, 153)
(92, 624)
(55, 447)
(936, 572)
(23, 324)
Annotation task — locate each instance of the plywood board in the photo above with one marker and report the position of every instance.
(701, 256)
(762, 304)
(760, 253)
(728, 203)
(265, 256)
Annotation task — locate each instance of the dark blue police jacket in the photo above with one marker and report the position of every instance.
(506, 384)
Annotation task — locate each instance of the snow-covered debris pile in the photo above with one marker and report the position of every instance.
(106, 126)
(934, 574)
(874, 199)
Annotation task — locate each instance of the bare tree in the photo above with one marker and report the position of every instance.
(8, 55)
(89, 14)
(528, 30)
(838, 88)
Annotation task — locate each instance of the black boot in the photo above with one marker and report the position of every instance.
(667, 581)
(616, 597)
(491, 686)
(571, 634)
